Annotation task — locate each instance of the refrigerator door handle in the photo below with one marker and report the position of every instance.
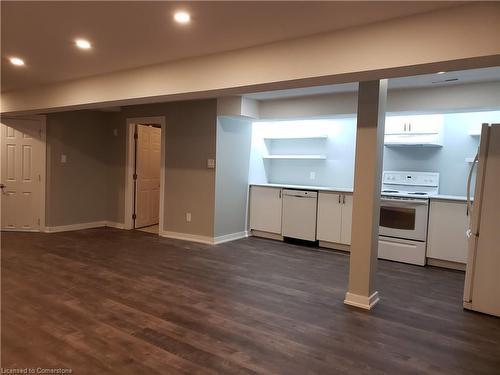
(469, 181)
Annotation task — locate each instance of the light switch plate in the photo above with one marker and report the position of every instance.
(312, 175)
(115, 132)
(211, 163)
(63, 158)
(188, 217)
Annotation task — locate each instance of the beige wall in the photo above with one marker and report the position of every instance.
(450, 39)
(190, 185)
(90, 186)
(475, 96)
(77, 189)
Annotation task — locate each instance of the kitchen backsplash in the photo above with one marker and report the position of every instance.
(280, 152)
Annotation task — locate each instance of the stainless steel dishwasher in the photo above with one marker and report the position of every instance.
(299, 214)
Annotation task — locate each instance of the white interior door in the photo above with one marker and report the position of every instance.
(22, 165)
(147, 201)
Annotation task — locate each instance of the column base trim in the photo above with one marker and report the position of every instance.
(362, 302)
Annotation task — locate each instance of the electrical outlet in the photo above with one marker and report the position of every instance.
(115, 132)
(211, 163)
(63, 158)
(188, 217)
(312, 175)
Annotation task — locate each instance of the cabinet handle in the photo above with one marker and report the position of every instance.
(409, 126)
(280, 193)
(339, 198)
(343, 199)
(405, 127)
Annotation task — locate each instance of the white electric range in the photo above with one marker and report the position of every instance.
(404, 211)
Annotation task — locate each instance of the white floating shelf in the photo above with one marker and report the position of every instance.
(475, 133)
(296, 157)
(469, 160)
(320, 136)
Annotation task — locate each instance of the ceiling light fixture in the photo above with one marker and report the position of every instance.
(182, 17)
(441, 72)
(83, 44)
(16, 61)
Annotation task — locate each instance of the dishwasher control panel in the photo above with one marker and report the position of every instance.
(300, 193)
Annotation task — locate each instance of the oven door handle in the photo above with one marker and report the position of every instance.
(403, 202)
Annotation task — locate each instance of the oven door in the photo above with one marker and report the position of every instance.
(404, 218)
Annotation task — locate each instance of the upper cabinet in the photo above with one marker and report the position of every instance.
(418, 130)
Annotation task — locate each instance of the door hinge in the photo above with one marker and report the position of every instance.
(134, 216)
(135, 176)
(136, 136)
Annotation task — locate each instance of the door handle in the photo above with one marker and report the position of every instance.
(2, 186)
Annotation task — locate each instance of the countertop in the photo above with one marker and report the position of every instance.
(450, 197)
(306, 187)
(343, 190)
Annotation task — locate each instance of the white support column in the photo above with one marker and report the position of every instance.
(372, 97)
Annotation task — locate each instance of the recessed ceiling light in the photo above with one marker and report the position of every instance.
(441, 72)
(83, 44)
(16, 61)
(182, 17)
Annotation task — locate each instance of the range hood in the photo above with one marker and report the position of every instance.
(413, 140)
(417, 130)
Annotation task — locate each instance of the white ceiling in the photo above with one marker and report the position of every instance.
(424, 80)
(128, 34)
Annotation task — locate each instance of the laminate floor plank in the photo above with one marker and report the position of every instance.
(129, 302)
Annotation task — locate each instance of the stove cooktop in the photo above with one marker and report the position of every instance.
(398, 193)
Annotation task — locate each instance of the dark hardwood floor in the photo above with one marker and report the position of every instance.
(127, 302)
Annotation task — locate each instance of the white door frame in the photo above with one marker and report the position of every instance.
(129, 167)
(43, 171)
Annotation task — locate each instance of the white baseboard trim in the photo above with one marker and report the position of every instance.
(113, 224)
(203, 239)
(22, 230)
(335, 246)
(187, 237)
(81, 226)
(72, 227)
(362, 302)
(446, 264)
(230, 237)
(268, 235)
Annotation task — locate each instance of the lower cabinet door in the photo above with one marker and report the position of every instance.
(448, 224)
(265, 209)
(329, 221)
(345, 233)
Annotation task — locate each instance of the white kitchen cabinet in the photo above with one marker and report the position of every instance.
(345, 233)
(334, 217)
(448, 223)
(396, 124)
(265, 209)
(413, 125)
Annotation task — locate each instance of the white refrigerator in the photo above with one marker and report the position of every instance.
(482, 278)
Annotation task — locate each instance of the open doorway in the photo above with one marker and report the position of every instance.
(145, 174)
